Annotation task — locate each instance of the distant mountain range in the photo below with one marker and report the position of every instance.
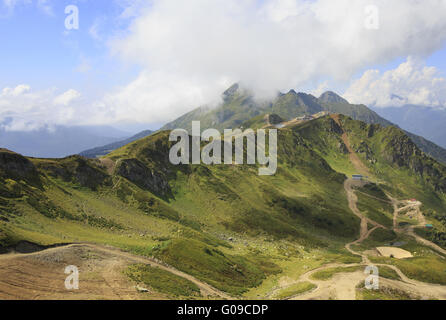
(60, 141)
(424, 121)
(239, 106)
(104, 150)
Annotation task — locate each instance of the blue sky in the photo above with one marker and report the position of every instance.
(37, 49)
(142, 63)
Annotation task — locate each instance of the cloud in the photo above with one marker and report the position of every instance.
(67, 97)
(10, 4)
(321, 88)
(410, 83)
(270, 45)
(188, 52)
(131, 8)
(14, 92)
(43, 5)
(84, 66)
(154, 98)
(21, 108)
(94, 30)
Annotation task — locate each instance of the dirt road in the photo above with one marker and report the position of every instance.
(410, 230)
(40, 275)
(343, 285)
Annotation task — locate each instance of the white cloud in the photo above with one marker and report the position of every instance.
(43, 5)
(193, 47)
(94, 30)
(131, 8)
(14, 92)
(156, 98)
(322, 87)
(84, 66)
(12, 3)
(67, 97)
(190, 51)
(21, 108)
(410, 83)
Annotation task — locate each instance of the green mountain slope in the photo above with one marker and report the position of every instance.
(239, 106)
(104, 150)
(429, 147)
(225, 225)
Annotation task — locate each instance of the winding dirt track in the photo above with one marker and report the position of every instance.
(365, 222)
(40, 275)
(342, 286)
(415, 206)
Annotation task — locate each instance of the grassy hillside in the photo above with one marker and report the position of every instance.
(104, 150)
(223, 224)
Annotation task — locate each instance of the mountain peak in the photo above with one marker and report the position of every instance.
(231, 91)
(331, 97)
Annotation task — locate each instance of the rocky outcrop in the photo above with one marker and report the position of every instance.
(148, 179)
(401, 151)
(231, 92)
(372, 129)
(342, 147)
(78, 170)
(366, 151)
(17, 167)
(334, 127)
(273, 119)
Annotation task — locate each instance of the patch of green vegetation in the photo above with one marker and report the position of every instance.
(99, 222)
(378, 238)
(294, 290)
(374, 204)
(7, 238)
(297, 264)
(435, 236)
(425, 266)
(230, 273)
(383, 236)
(47, 208)
(162, 281)
(80, 172)
(327, 274)
(388, 273)
(255, 123)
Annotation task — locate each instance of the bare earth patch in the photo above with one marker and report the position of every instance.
(397, 253)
